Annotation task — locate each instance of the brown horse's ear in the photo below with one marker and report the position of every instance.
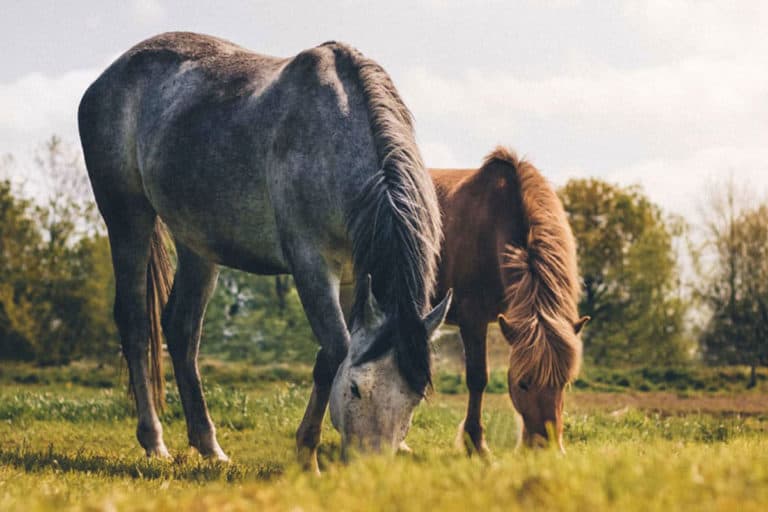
(506, 329)
(580, 323)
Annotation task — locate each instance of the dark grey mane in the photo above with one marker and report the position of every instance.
(394, 224)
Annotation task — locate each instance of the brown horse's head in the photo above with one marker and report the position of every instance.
(542, 290)
(536, 384)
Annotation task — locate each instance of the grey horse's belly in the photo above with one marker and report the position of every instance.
(206, 179)
(237, 230)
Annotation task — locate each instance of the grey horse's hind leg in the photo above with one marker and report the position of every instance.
(130, 233)
(318, 287)
(193, 286)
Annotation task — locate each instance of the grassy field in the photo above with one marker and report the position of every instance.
(67, 442)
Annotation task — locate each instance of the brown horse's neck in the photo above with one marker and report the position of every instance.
(481, 215)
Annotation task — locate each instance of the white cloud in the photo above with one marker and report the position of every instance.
(437, 154)
(38, 105)
(681, 185)
(670, 127)
(148, 11)
(698, 101)
(714, 27)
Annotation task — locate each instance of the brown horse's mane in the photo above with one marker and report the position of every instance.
(542, 281)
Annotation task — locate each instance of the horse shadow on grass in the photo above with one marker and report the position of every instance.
(183, 467)
(186, 466)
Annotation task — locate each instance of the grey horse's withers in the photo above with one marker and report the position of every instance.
(300, 166)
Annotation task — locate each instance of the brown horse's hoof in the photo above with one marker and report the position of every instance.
(472, 444)
(307, 458)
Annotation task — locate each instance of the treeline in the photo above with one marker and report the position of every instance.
(659, 291)
(56, 281)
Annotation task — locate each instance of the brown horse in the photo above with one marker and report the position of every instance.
(510, 256)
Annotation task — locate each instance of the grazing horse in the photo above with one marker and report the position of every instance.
(301, 166)
(509, 255)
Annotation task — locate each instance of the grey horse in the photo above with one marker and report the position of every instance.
(304, 166)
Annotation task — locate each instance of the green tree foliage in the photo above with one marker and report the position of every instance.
(57, 285)
(630, 271)
(19, 239)
(55, 271)
(257, 318)
(735, 283)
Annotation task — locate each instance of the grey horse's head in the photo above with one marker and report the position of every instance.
(371, 401)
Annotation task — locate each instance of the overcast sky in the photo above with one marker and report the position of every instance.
(669, 94)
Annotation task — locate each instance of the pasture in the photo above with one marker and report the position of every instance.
(67, 443)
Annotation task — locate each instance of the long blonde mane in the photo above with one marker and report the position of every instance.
(543, 284)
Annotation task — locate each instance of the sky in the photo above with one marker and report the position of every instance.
(671, 95)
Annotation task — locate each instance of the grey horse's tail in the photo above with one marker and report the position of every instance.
(159, 281)
(395, 223)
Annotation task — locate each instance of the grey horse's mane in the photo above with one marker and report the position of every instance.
(394, 225)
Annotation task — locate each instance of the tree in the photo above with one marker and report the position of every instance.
(735, 281)
(55, 271)
(257, 318)
(74, 261)
(630, 270)
(19, 239)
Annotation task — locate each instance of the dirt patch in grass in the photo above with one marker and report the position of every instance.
(667, 403)
(670, 403)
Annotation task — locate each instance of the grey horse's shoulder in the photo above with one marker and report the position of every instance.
(340, 46)
(345, 50)
(330, 61)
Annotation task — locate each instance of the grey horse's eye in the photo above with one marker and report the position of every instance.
(355, 390)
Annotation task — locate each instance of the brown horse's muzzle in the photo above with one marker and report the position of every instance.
(536, 440)
(541, 408)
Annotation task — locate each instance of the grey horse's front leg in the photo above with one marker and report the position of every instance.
(318, 287)
(193, 286)
(308, 433)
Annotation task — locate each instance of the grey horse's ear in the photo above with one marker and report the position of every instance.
(434, 318)
(373, 314)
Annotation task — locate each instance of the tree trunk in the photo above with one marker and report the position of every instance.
(281, 289)
(752, 376)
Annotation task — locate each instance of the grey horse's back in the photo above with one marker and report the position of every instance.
(219, 139)
(222, 60)
(235, 70)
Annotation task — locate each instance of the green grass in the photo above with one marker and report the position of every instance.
(449, 379)
(693, 379)
(69, 446)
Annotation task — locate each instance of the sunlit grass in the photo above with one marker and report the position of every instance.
(73, 448)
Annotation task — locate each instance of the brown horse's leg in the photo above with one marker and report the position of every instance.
(473, 336)
(193, 286)
(129, 236)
